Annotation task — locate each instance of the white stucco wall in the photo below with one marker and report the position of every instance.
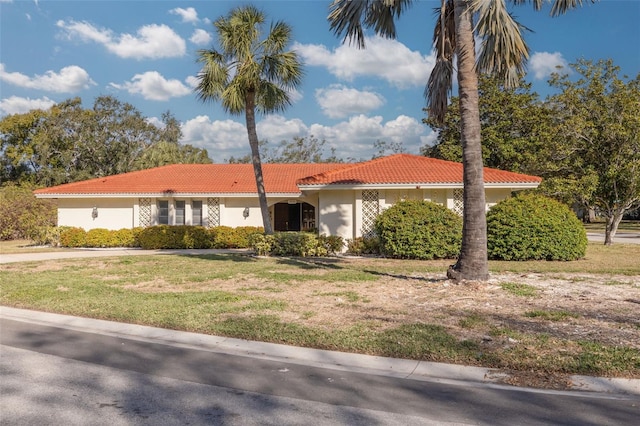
(336, 213)
(495, 195)
(113, 213)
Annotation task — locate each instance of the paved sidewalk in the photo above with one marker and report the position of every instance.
(86, 253)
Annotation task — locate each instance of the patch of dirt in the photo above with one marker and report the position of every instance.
(564, 309)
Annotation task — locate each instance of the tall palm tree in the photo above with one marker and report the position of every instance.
(503, 52)
(248, 73)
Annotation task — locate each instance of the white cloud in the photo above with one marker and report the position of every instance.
(71, 79)
(192, 81)
(200, 37)
(542, 64)
(338, 101)
(17, 105)
(350, 139)
(355, 137)
(150, 41)
(153, 86)
(382, 58)
(226, 137)
(276, 128)
(188, 15)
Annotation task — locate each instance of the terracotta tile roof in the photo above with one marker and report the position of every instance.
(409, 169)
(195, 179)
(280, 178)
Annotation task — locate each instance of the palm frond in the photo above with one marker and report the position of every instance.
(503, 52)
(562, 6)
(270, 97)
(350, 17)
(278, 38)
(439, 88)
(213, 76)
(345, 18)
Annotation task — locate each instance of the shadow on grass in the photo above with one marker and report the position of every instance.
(407, 277)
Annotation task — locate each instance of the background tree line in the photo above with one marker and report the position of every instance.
(68, 143)
(584, 140)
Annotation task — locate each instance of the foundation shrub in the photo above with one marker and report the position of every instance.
(73, 237)
(100, 237)
(363, 245)
(332, 243)
(534, 227)
(244, 233)
(224, 237)
(174, 237)
(415, 229)
(295, 244)
(302, 244)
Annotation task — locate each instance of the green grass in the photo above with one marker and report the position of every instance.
(519, 289)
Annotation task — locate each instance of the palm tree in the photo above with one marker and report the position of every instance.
(248, 73)
(503, 52)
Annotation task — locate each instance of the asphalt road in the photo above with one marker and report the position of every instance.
(60, 376)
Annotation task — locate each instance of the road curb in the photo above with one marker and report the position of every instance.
(390, 367)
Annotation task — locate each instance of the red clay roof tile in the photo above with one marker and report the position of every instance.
(280, 178)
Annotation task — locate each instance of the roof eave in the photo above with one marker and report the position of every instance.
(444, 185)
(171, 195)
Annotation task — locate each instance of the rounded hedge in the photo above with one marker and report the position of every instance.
(534, 227)
(415, 229)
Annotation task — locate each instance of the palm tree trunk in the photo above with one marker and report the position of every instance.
(472, 263)
(250, 115)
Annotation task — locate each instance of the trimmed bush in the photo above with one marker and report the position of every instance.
(174, 237)
(302, 244)
(416, 229)
(534, 227)
(363, 245)
(73, 237)
(100, 237)
(224, 237)
(332, 243)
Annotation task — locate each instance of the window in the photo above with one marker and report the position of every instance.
(180, 212)
(163, 212)
(196, 213)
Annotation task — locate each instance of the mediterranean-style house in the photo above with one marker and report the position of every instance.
(336, 199)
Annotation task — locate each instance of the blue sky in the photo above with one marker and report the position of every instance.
(144, 52)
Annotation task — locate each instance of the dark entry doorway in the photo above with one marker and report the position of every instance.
(294, 217)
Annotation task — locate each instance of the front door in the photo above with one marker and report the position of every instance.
(293, 217)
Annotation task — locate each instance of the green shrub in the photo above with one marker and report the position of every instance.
(45, 235)
(73, 237)
(196, 237)
(332, 243)
(415, 229)
(123, 238)
(100, 237)
(244, 233)
(174, 237)
(262, 244)
(534, 227)
(363, 245)
(294, 244)
(22, 215)
(224, 237)
(301, 244)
